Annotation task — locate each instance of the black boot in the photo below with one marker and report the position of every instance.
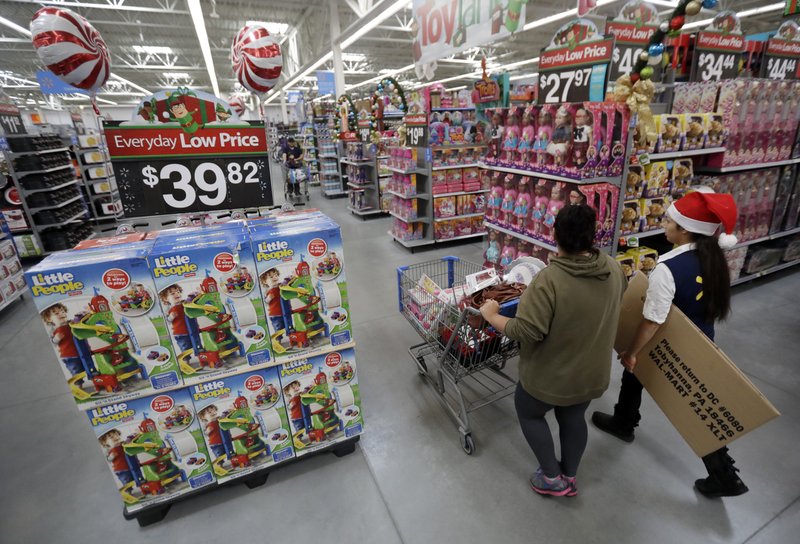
(722, 479)
(613, 425)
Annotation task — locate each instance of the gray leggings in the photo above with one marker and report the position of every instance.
(571, 430)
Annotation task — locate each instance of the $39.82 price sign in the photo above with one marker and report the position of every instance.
(575, 75)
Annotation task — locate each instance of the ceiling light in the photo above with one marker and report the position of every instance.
(325, 58)
(14, 26)
(524, 76)
(131, 83)
(562, 15)
(459, 88)
(200, 28)
(353, 57)
(383, 73)
(372, 23)
(177, 75)
(745, 13)
(153, 49)
(513, 65)
(272, 27)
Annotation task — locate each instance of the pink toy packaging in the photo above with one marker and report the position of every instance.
(619, 139)
(244, 422)
(154, 447)
(525, 146)
(522, 207)
(495, 202)
(509, 199)
(444, 207)
(511, 137)
(509, 252)
(444, 229)
(555, 205)
(544, 134)
(595, 112)
(495, 132)
(541, 200)
(610, 196)
(560, 145)
(575, 195)
(708, 97)
(491, 256)
(592, 198)
(582, 138)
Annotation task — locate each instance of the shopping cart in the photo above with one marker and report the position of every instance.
(292, 176)
(462, 356)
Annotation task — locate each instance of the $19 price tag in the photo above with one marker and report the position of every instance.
(417, 135)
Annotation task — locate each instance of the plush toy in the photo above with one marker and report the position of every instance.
(522, 207)
(694, 135)
(648, 264)
(509, 199)
(629, 217)
(655, 213)
(681, 177)
(633, 184)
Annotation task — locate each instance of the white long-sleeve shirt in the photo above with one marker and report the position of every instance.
(661, 289)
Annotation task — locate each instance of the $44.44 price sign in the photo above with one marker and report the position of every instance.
(781, 60)
(716, 56)
(575, 75)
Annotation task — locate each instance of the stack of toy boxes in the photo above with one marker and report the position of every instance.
(301, 268)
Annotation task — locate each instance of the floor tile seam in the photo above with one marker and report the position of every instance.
(386, 505)
(792, 394)
(773, 518)
(28, 401)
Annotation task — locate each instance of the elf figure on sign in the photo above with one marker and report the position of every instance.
(180, 113)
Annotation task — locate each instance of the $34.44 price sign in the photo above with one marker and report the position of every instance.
(158, 187)
(716, 56)
(712, 66)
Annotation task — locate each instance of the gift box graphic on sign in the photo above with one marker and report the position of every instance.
(184, 107)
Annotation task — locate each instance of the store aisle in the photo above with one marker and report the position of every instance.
(409, 480)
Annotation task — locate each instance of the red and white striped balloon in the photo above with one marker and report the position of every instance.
(71, 48)
(256, 58)
(237, 105)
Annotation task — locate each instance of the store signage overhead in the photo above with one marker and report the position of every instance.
(445, 27)
(574, 67)
(782, 57)
(188, 151)
(717, 51)
(632, 28)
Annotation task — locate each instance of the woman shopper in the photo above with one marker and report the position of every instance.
(566, 322)
(293, 158)
(693, 276)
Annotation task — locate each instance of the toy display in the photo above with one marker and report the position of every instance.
(109, 335)
(299, 301)
(244, 422)
(153, 446)
(207, 288)
(323, 400)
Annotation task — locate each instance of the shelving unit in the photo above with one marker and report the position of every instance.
(744, 167)
(546, 175)
(364, 197)
(771, 270)
(12, 282)
(308, 142)
(101, 191)
(330, 171)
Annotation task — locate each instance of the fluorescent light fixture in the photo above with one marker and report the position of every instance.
(153, 49)
(459, 88)
(272, 27)
(524, 76)
(177, 75)
(353, 57)
(513, 65)
(383, 74)
(14, 26)
(131, 83)
(200, 28)
(104, 101)
(562, 15)
(664, 3)
(297, 77)
(372, 23)
(449, 79)
(745, 13)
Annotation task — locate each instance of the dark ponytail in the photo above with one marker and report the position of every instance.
(716, 278)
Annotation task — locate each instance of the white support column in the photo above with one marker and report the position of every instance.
(284, 111)
(338, 68)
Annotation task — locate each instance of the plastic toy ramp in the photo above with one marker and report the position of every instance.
(166, 481)
(297, 439)
(127, 498)
(207, 308)
(183, 362)
(276, 345)
(226, 352)
(299, 291)
(131, 448)
(77, 392)
(217, 464)
(99, 329)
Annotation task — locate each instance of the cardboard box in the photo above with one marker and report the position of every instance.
(709, 401)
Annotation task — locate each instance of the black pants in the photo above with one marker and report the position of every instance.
(572, 432)
(626, 414)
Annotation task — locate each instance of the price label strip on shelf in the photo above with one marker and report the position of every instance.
(781, 60)
(575, 66)
(717, 51)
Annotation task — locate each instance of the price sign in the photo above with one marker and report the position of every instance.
(781, 60)
(416, 130)
(630, 41)
(11, 120)
(166, 170)
(716, 56)
(575, 75)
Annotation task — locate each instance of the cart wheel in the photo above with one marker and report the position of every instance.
(421, 361)
(468, 444)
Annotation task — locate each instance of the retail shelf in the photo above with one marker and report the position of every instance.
(424, 196)
(464, 237)
(364, 211)
(410, 243)
(454, 166)
(40, 152)
(776, 268)
(66, 184)
(743, 167)
(328, 156)
(682, 154)
(773, 236)
(333, 193)
(62, 223)
(465, 216)
(56, 206)
(644, 234)
(385, 175)
(354, 162)
(337, 174)
(360, 186)
(545, 175)
(309, 147)
(440, 195)
(47, 171)
(465, 108)
(383, 157)
(409, 220)
(456, 146)
(401, 171)
(14, 296)
(524, 237)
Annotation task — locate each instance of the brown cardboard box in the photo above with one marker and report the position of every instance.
(708, 400)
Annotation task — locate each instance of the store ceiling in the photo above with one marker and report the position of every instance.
(173, 56)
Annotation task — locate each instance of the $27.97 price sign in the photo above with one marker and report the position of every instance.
(716, 56)
(164, 170)
(575, 75)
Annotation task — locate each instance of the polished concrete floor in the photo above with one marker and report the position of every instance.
(409, 480)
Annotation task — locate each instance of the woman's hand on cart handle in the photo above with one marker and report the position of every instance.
(489, 309)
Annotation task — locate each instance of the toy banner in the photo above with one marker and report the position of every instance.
(446, 27)
(574, 67)
(782, 57)
(186, 152)
(717, 51)
(632, 28)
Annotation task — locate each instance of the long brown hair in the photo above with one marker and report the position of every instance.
(716, 278)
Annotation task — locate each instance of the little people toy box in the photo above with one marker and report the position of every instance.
(207, 288)
(301, 269)
(323, 399)
(102, 316)
(153, 446)
(244, 422)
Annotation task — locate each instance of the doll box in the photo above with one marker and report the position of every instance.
(301, 269)
(323, 400)
(243, 422)
(153, 447)
(101, 313)
(208, 291)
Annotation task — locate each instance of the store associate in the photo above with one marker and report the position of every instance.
(566, 323)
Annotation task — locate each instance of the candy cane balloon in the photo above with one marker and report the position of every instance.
(71, 48)
(256, 58)
(237, 105)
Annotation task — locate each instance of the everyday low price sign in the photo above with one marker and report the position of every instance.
(201, 157)
(717, 51)
(782, 57)
(631, 29)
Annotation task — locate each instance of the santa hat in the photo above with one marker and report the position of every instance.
(704, 213)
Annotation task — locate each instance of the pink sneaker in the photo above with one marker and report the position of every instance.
(572, 482)
(557, 487)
